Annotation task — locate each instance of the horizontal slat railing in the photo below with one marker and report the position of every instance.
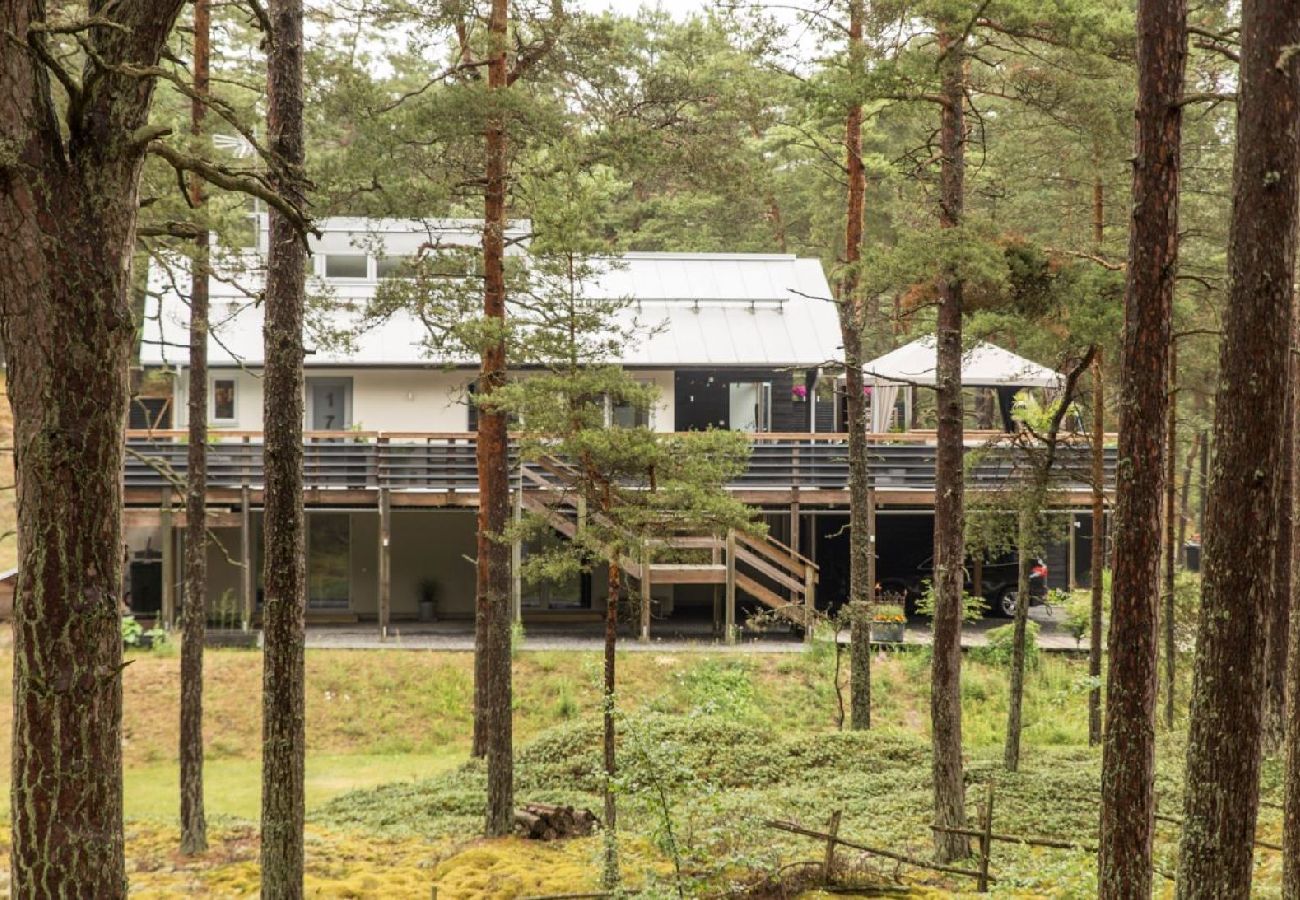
(445, 462)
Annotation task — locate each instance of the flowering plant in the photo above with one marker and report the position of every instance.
(799, 392)
(888, 612)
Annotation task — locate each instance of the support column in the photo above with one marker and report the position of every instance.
(168, 562)
(246, 582)
(647, 586)
(715, 557)
(809, 601)
(385, 562)
(517, 563)
(730, 606)
(1072, 553)
(871, 545)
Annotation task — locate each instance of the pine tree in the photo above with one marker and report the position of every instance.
(69, 176)
(284, 576)
(1220, 803)
(194, 832)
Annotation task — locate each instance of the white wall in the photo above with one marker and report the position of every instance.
(394, 399)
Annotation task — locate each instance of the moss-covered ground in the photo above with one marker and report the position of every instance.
(712, 746)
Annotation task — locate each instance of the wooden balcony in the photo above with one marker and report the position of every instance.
(439, 469)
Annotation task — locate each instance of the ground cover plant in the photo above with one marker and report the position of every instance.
(712, 745)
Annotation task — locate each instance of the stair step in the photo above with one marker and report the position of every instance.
(792, 611)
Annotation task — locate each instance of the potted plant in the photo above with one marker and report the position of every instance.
(888, 623)
(225, 625)
(428, 600)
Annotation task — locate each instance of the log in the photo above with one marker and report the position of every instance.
(545, 822)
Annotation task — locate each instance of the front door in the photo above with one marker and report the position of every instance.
(329, 404)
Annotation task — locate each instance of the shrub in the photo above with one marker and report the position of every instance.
(1002, 641)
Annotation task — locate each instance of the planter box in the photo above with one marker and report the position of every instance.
(232, 638)
(888, 632)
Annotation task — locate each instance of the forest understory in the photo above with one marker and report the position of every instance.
(712, 746)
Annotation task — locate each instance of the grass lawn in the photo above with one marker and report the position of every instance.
(712, 745)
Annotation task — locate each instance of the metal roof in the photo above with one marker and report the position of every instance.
(690, 309)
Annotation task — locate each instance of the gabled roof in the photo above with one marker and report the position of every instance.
(983, 365)
(690, 309)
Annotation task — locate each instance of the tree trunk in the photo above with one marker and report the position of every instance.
(492, 616)
(1278, 614)
(284, 576)
(853, 320)
(1291, 749)
(68, 216)
(194, 831)
(610, 877)
(1291, 801)
(949, 538)
(1011, 753)
(1098, 563)
(1220, 801)
(859, 666)
(1171, 532)
(1185, 498)
(1128, 758)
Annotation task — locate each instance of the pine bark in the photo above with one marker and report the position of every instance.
(859, 666)
(1220, 802)
(610, 876)
(194, 832)
(284, 576)
(1278, 614)
(1291, 748)
(853, 322)
(1097, 566)
(1171, 532)
(1128, 757)
(492, 609)
(1011, 751)
(949, 537)
(68, 216)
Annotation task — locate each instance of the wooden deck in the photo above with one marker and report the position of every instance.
(438, 469)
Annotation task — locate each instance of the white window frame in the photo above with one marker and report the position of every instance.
(212, 400)
(649, 413)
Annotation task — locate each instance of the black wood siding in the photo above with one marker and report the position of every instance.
(702, 400)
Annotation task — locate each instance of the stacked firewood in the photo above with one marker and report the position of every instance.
(543, 822)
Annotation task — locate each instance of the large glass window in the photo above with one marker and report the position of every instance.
(329, 544)
(393, 266)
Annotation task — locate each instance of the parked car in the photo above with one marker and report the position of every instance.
(999, 584)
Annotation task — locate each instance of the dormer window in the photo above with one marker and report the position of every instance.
(347, 265)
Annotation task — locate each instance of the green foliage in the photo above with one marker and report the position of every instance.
(131, 631)
(1001, 644)
(973, 607)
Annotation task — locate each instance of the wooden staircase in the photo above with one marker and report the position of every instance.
(760, 567)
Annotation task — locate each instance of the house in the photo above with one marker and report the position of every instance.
(739, 341)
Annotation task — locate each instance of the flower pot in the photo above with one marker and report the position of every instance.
(888, 632)
(232, 638)
(426, 611)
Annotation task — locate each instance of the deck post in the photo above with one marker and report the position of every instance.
(646, 587)
(794, 529)
(168, 562)
(517, 562)
(385, 561)
(245, 558)
(871, 544)
(730, 610)
(715, 557)
(809, 601)
(1073, 558)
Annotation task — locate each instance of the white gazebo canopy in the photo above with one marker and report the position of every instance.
(984, 365)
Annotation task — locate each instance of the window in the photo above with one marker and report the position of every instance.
(393, 266)
(223, 399)
(625, 414)
(347, 265)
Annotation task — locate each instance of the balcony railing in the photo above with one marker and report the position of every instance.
(445, 462)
